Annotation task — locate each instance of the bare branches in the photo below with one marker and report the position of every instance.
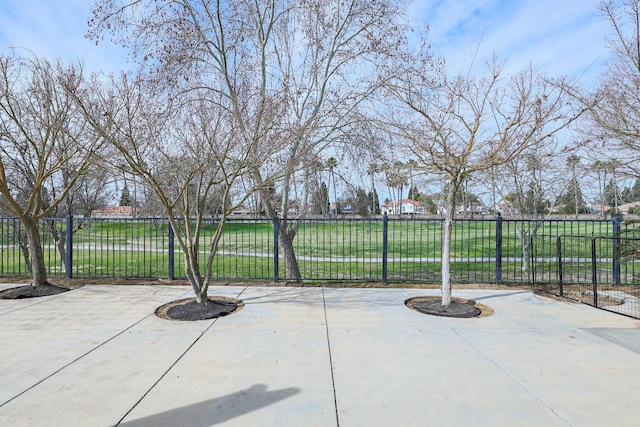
(45, 141)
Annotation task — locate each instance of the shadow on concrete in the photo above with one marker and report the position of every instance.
(507, 294)
(217, 410)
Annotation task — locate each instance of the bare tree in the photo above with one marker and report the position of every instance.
(472, 124)
(187, 150)
(527, 183)
(46, 143)
(616, 117)
(311, 62)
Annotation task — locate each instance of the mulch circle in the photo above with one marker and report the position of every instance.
(29, 291)
(459, 307)
(189, 310)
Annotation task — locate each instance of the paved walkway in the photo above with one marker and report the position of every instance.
(97, 356)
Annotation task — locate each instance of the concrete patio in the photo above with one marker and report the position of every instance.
(98, 356)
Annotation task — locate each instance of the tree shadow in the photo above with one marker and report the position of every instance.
(217, 410)
(302, 295)
(506, 294)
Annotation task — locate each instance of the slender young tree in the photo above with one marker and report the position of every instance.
(573, 161)
(460, 127)
(332, 164)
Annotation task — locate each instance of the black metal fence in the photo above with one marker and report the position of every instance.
(602, 271)
(593, 261)
(381, 249)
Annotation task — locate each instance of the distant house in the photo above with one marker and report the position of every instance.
(600, 208)
(115, 212)
(404, 207)
(505, 207)
(557, 209)
(473, 210)
(466, 211)
(624, 209)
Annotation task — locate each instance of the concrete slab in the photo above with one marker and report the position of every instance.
(626, 338)
(400, 367)
(266, 365)
(585, 380)
(63, 328)
(314, 357)
(248, 378)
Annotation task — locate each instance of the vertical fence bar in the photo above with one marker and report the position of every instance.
(532, 266)
(594, 272)
(69, 238)
(172, 259)
(498, 275)
(560, 272)
(276, 261)
(385, 248)
(617, 221)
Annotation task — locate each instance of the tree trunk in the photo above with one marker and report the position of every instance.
(39, 270)
(201, 296)
(285, 238)
(192, 267)
(446, 244)
(526, 254)
(60, 240)
(24, 249)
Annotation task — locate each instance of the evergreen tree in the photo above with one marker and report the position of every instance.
(568, 199)
(533, 202)
(414, 194)
(374, 202)
(361, 202)
(611, 194)
(320, 200)
(125, 197)
(635, 191)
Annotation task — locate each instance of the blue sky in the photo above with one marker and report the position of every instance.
(561, 37)
(56, 27)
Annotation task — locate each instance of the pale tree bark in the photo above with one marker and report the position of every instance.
(458, 128)
(43, 137)
(446, 241)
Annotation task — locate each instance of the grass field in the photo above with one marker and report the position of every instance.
(344, 249)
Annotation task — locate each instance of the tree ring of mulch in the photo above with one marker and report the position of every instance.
(28, 291)
(189, 310)
(459, 307)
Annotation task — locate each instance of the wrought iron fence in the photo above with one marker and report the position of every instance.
(382, 249)
(602, 271)
(593, 261)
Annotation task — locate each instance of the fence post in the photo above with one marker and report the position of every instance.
(276, 261)
(594, 272)
(385, 248)
(559, 260)
(617, 222)
(532, 256)
(498, 276)
(172, 247)
(69, 237)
